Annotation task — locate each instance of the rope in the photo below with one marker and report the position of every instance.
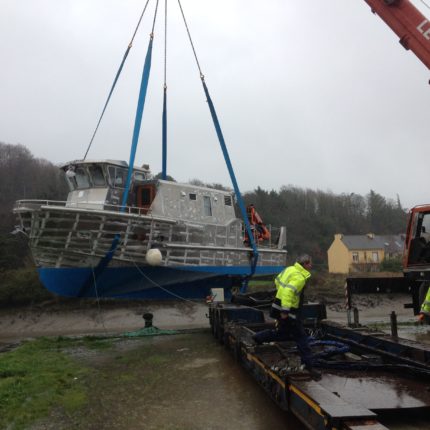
(254, 258)
(333, 348)
(191, 41)
(162, 288)
(153, 21)
(116, 78)
(96, 289)
(165, 43)
(425, 3)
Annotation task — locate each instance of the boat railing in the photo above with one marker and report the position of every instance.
(63, 235)
(30, 204)
(34, 204)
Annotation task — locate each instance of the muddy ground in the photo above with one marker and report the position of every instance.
(79, 317)
(181, 382)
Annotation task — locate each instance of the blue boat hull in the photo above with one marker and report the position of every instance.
(145, 282)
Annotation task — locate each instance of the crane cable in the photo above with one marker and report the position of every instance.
(164, 116)
(116, 79)
(254, 257)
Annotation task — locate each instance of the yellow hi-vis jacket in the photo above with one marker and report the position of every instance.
(289, 284)
(425, 308)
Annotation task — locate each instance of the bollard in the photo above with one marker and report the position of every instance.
(393, 319)
(348, 317)
(356, 318)
(148, 319)
(353, 317)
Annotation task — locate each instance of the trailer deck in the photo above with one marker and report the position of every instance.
(366, 374)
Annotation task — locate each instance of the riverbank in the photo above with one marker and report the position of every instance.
(78, 317)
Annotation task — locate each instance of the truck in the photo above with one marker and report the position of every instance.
(413, 29)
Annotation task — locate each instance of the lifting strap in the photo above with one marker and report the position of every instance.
(103, 263)
(116, 79)
(226, 155)
(232, 177)
(139, 113)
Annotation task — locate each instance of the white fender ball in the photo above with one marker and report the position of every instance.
(154, 257)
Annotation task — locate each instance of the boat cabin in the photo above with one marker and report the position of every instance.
(100, 184)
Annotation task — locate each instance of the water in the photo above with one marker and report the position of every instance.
(182, 382)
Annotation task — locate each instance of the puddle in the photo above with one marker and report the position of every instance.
(182, 382)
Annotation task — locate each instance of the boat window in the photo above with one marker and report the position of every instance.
(71, 182)
(139, 176)
(193, 196)
(81, 177)
(97, 176)
(227, 200)
(207, 206)
(117, 176)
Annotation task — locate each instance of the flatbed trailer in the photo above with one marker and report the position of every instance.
(367, 376)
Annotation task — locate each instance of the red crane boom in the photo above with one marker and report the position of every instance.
(408, 23)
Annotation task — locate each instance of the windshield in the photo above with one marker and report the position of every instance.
(117, 176)
(81, 178)
(97, 176)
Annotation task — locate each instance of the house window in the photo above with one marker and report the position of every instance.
(207, 207)
(355, 257)
(375, 257)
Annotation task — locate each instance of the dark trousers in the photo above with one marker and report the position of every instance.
(288, 329)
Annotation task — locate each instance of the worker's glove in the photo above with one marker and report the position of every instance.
(284, 315)
(421, 318)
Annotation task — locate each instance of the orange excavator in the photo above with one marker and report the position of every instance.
(259, 230)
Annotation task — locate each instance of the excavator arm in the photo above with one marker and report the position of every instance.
(408, 23)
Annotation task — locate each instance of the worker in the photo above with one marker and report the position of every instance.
(425, 308)
(286, 308)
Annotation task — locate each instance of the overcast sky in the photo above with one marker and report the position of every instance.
(313, 93)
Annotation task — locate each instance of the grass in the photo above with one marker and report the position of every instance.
(39, 376)
(21, 286)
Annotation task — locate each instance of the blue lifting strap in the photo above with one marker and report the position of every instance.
(97, 271)
(232, 176)
(164, 168)
(138, 121)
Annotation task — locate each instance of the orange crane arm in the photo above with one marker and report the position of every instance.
(408, 23)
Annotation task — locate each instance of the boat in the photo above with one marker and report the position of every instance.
(171, 239)
(123, 233)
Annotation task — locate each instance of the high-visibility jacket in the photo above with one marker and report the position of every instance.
(289, 284)
(425, 307)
